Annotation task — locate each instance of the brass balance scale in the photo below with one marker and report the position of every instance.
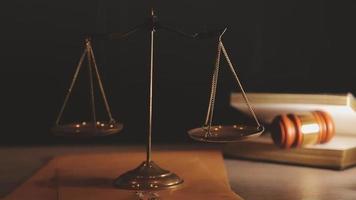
(148, 175)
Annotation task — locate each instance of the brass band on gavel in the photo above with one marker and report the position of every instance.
(296, 130)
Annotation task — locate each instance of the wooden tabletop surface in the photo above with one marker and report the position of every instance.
(250, 180)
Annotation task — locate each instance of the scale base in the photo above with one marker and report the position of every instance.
(148, 176)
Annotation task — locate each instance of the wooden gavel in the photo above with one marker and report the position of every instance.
(296, 130)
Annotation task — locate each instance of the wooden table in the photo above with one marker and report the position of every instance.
(250, 180)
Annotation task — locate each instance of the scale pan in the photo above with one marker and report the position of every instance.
(87, 129)
(231, 133)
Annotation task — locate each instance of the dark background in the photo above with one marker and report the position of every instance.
(278, 46)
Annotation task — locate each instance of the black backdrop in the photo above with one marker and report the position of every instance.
(280, 46)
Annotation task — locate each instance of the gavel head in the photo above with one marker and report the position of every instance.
(296, 130)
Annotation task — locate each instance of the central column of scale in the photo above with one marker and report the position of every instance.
(148, 175)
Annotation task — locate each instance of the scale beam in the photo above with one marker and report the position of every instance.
(153, 23)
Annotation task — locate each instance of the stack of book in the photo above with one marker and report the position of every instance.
(339, 153)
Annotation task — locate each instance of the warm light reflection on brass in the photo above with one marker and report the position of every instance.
(87, 130)
(148, 176)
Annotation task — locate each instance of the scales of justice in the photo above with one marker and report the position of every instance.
(148, 175)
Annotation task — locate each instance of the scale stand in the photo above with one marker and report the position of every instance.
(148, 175)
